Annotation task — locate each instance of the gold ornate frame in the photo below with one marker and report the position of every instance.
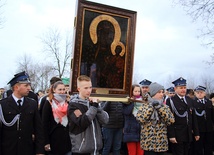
(104, 38)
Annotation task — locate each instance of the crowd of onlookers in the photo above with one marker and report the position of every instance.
(156, 120)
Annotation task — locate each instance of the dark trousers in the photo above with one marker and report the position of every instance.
(112, 139)
(213, 141)
(153, 153)
(191, 149)
(181, 148)
(204, 145)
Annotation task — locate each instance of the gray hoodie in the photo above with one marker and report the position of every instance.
(89, 139)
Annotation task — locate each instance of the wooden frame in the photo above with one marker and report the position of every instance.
(104, 39)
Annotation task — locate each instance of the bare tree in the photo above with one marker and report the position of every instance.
(168, 81)
(211, 62)
(208, 83)
(58, 49)
(39, 73)
(44, 75)
(201, 10)
(25, 63)
(191, 82)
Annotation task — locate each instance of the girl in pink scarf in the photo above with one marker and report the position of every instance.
(55, 121)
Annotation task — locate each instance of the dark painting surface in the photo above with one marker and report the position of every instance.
(104, 39)
(104, 59)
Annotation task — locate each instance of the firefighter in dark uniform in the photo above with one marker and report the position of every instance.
(145, 89)
(180, 133)
(205, 117)
(145, 86)
(21, 128)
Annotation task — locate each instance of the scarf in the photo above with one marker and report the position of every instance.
(137, 105)
(59, 109)
(154, 117)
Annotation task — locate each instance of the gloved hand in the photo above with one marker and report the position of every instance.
(94, 101)
(156, 104)
(95, 104)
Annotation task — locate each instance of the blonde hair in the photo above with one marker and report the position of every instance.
(82, 78)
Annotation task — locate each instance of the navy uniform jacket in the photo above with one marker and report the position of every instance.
(16, 140)
(182, 129)
(205, 123)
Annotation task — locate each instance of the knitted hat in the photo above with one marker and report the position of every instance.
(154, 88)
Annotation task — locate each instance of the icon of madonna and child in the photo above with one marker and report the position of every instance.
(103, 51)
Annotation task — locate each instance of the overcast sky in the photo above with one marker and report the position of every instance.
(166, 44)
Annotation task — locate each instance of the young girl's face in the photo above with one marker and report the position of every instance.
(60, 89)
(136, 91)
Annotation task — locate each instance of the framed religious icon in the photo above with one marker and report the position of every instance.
(104, 39)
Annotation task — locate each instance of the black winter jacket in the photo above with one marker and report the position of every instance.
(115, 112)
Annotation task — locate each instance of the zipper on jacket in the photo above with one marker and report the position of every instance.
(95, 142)
(83, 140)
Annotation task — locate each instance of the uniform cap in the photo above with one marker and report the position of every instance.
(180, 82)
(145, 82)
(171, 89)
(21, 77)
(200, 88)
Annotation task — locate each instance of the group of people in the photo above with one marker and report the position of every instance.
(155, 121)
(61, 128)
(187, 123)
